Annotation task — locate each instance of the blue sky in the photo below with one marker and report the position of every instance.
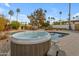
(27, 8)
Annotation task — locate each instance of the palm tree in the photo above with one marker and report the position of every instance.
(18, 11)
(73, 17)
(11, 13)
(60, 22)
(69, 16)
(45, 11)
(60, 16)
(77, 17)
(49, 17)
(53, 18)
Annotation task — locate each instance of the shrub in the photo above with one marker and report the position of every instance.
(2, 27)
(29, 27)
(15, 24)
(46, 24)
(3, 22)
(56, 23)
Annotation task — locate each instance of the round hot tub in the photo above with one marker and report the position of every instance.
(30, 43)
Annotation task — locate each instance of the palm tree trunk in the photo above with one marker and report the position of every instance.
(10, 18)
(70, 16)
(54, 21)
(60, 19)
(17, 17)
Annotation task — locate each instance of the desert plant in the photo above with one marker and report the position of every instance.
(3, 23)
(2, 27)
(15, 24)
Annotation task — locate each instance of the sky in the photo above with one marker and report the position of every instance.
(53, 10)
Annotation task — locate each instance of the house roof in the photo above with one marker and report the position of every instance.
(74, 20)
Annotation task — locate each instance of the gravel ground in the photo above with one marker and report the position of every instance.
(4, 46)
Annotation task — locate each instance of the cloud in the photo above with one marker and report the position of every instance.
(2, 10)
(7, 4)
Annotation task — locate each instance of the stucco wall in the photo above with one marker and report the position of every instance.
(64, 26)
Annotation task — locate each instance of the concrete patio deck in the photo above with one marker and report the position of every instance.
(70, 43)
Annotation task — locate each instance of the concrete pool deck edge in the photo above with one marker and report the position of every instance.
(69, 43)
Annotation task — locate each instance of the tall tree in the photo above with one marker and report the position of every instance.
(10, 13)
(37, 18)
(60, 16)
(73, 17)
(49, 17)
(45, 11)
(52, 18)
(77, 17)
(18, 11)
